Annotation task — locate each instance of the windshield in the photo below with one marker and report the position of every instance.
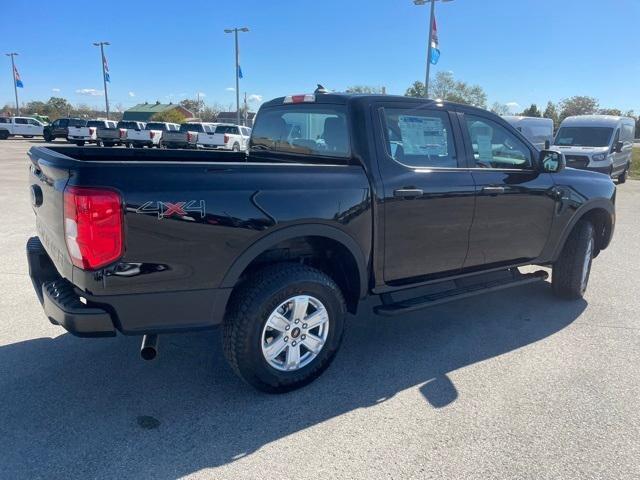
(95, 123)
(583, 136)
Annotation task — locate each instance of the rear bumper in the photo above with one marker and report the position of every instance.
(60, 301)
(86, 315)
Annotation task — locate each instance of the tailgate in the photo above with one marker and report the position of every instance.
(79, 132)
(137, 134)
(46, 184)
(174, 136)
(207, 138)
(108, 133)
(216, 139)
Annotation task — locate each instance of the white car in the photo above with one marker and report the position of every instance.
(24, 126)
(157, 131)
(133, 134)
(81, 134)
(225, 137)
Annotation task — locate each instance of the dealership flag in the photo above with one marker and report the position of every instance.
(107, 78)
(435, 50)
(16, 77)
(239, 72)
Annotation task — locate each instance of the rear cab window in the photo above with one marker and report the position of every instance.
(191, 127)
(156, 126)
(77, 122)
(303, 129)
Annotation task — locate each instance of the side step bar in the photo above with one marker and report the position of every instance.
(458, 289)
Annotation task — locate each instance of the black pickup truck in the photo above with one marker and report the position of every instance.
(339, 197)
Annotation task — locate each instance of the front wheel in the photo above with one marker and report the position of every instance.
(48, 137)
(622, 178)
(283, 327)
(571, 271)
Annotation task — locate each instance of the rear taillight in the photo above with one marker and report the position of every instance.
(93, 227)
(122, 132)
(226, 138)
(152, 134)
(92, 130)
(188, 136)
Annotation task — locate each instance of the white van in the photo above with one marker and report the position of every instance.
(537, 130)
(602, 143)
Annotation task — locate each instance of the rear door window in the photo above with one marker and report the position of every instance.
(303, 129)
(420, 138)
(76, 122)
(21, 121)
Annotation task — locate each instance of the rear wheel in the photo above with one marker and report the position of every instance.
(236, 147)
(27, 136)
(571, 271)
(99, 143)
(4, 134)
(80, 144)
(129, 145)
(47, 137)
(283, 327)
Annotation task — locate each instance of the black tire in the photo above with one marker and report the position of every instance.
(236, 147)
(129, 145)
(4, 134)
(249, 309)
(47, 137)
(99, 143)
(27, 136)
(622, 178)
(80, 144)
(571, 271)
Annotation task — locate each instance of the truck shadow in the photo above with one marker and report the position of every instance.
(90, 408)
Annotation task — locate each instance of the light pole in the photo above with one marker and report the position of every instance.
(13, 75)
(431, 16)
(104, 73)
(235, 32)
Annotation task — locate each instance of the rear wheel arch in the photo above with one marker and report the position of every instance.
(321, 246)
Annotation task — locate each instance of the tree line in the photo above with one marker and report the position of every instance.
(446, 87)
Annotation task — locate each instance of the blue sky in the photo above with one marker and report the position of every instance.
(520, 51)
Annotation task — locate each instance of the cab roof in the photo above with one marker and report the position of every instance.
(595, 120)
(339, 98)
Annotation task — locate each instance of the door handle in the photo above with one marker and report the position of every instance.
(408, 192)
(493, 190)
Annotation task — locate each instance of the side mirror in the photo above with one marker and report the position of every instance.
(618, 147)
(552, 161)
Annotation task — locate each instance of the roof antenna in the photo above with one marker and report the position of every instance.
(320, 89)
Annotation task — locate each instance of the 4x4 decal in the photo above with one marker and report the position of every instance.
(173, 209)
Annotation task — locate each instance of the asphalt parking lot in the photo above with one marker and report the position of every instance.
(516, 384)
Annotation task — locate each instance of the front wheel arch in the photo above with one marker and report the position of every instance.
(601, 215)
